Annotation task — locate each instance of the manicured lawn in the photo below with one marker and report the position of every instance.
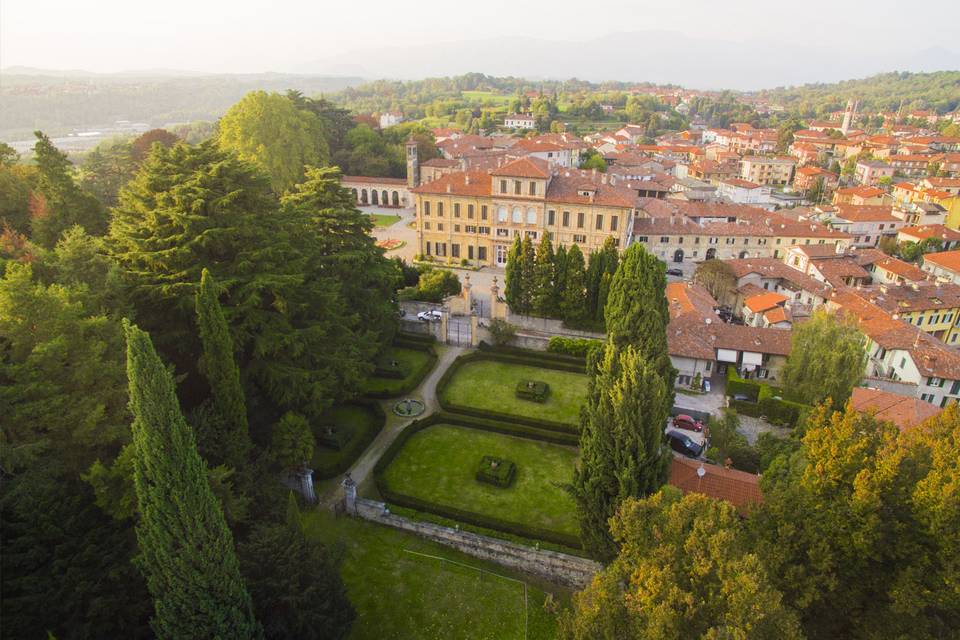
(411, 360)
(358, 418)
(383, 219)
(491, 385)
(439, 465)
(401, 596)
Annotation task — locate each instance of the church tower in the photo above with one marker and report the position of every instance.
(413, 164)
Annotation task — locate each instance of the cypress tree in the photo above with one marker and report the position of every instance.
(573, 307)
(594, 273)
(622, 453)
(188, 557)
(513, 278)
(220, 369)
(544, 299)
(527, 275)
(560, 276)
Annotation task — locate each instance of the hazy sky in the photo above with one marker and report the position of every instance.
(280, 35)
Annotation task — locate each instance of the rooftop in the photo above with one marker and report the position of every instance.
(739, 488)
(903, 411)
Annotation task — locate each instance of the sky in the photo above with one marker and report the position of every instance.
(245, 36)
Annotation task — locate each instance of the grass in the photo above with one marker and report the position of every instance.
(412, 360)
(485, 97)
(358, 418)
(383, 219)
(439, 464)
(491, 385)
(401, 596)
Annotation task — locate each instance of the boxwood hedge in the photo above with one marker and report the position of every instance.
(356, 446)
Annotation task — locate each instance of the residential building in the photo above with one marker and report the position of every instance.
(739, 488)
(860, 195)
(932, 307)
(519, 121)
(767, 309)
(807, 177)
(949, 238)
(768, 170)
(871, 172)
(903, 411)
(739, 191)
(390, 119)
(866, 224)
(943, 265)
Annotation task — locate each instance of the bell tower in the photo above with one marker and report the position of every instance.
(413, 164)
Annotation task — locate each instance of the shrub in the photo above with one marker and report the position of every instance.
(579, 347)
(437, 284)
(737, 386)
(496, 471)
(387, 367)
(533, 390)
(334, 437)
(359, 442)
(502, 332)
(782, 412)
(292, 442)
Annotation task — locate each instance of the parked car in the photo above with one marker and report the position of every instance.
(675, 272)
(683, 443)
(687, 423)
(741, 397)
(433, 315)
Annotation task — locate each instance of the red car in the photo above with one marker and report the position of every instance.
(685, 422)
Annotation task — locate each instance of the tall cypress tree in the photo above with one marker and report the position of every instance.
(560, 276)
(527, 275)
(622, 453)
(220, 368)
(513, 278)
(573, 307)
(544, 300)
(188, 556)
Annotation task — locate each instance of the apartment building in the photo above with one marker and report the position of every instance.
(774, 171)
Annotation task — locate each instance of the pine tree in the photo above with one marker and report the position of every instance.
(187, 550)
(573, 307)
(513, 278)
(544, 299)
(622, 453)
(220, 368)
(527, 276)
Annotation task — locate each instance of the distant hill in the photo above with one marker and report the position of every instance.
(59, 102)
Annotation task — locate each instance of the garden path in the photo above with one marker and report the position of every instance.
(427, 392)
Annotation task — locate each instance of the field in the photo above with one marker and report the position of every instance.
(491, 385)
(400, 593)
(439, 465)
(411, 360)
(383, 219)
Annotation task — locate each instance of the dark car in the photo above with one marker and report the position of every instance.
(741, 397)
(682, 443)
(685, 422)
(674, 272)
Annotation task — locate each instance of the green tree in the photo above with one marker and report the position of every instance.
(622, 450)
(717, 277)
(559, 277)
(513, 277)
(528, 270)
(268, 128)
(827, 359)
(573, 305)
(436, 284)
(785, 134)
(106, 168)
(544, 292)
(60, 203)
(292, 441)
(15, 190)
(187, 550)
(594, 161)
(685, 569)
(219, 367)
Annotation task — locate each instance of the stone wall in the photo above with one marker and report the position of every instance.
(559, 568)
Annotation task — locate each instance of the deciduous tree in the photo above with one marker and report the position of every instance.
(827, 359)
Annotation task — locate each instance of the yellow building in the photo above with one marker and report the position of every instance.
(475, 216)
(768, 170)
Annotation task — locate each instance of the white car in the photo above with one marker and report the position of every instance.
(429, 316)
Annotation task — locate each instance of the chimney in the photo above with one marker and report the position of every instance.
(448, 188)
(466, 179)
(593, 172)
(603, 178)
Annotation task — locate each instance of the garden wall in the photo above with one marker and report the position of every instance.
(559, 568)
(550, 326)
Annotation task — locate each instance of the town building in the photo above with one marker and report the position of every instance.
(739, 191)
(944, 266)
(860, 195)
(905, 412)
(807, 177)
(871, 172)
(390, 119)
(948, 237)
(768, 170)
(519, 121)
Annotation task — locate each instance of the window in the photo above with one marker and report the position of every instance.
(517, 215)
(664, 239)
(470, 252)
(440, 248)
(484, 231)
(955, 388)
(470, 229)
(439, 226)
(580, 220)
(533, 188)
(642, 239)
(456, 228)
(470, 211)
(481, 253)
(551, 217)
(679, 239)
(614, 221)
(566, 218)
(426, 207)
(531, 234)
(502, 214)
(531, 216)
(731, 240)
(709, 365)
(503, 186)
(503, 233)
(440, 209)
(517, 190)
(599, 222)
(903, 362)
(579, 238)
(428, 248)
(456, 209)
(426, 225)
(483, 212)
(455, 250)
(746, 241)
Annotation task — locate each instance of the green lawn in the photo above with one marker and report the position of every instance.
(358, 418)
(383, 219)
(412, 360)
(399, 595)
(491, 385)
(439, 464)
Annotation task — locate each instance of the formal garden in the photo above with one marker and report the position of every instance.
(342, 434)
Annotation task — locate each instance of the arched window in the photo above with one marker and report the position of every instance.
(517, 215)
(531, 216)
(502, 214)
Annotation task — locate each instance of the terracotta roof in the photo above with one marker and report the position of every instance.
(777, 314)
(469, 183)
(944, 259)
(866, 213)
(764, 301)
(440, 162)
(863, 192)
(931, 231)
(739, 182)
(903, 411)
(817, 250)
(919, 296)
(812, 170)
(837, 271)
(524, 168)
(773, 268)
(755, 339)
(903, 269)
(739, 488)
(374, 179)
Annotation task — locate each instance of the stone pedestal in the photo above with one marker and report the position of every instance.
(305, 483)
(349, 495)
(498, 308)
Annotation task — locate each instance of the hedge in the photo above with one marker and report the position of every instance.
(425, 339)
(469, 517)
(417, 377)
(350, 453)
(737, 386)
(496, 471)
(509, 417)
(579, 347)
(533, 390)
(534, 355)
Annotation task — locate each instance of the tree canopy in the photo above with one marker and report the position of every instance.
(826, 360)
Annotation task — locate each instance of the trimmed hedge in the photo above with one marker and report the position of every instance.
(533, 355)
(509, 417)
(422, 339)
(496, 471)
(356, 446)
(533, 390)
(469, 517)
(737, 385)
(578, 347)
(417, 377)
